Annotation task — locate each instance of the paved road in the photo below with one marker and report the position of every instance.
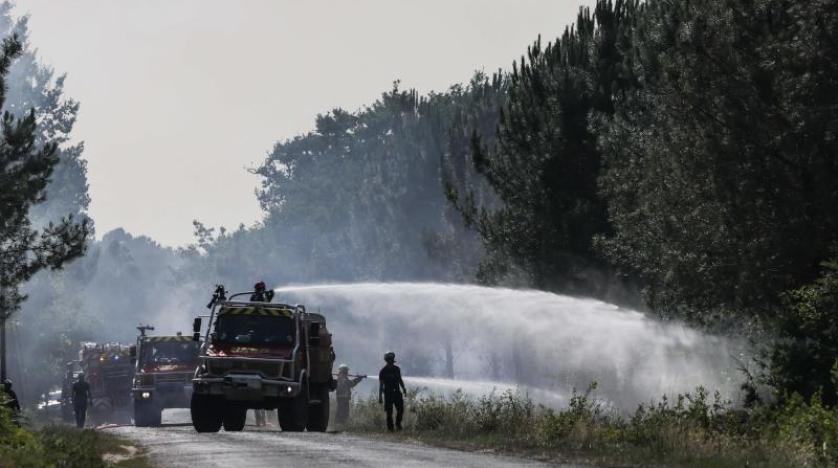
(178, 445)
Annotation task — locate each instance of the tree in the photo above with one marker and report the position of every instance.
(361, 196)
(720, 161)
(34, 86)
(46, 330)
(803, 358)
(544, 161)
(26, 168)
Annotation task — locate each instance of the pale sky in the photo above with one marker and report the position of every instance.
(179, 97)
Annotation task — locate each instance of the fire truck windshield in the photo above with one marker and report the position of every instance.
(170, 351)
(254, 330)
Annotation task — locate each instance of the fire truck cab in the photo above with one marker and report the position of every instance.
(262, 355)
(163, 377)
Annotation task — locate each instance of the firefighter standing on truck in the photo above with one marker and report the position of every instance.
(390, 389)
(261, 294)
(343, 393)
(81, 397)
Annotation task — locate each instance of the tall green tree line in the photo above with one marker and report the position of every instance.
(27, 165)
(50, 191)
(690, 145)
(544, 162)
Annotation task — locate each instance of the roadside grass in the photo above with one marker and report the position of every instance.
(63, 446)
(691, 430)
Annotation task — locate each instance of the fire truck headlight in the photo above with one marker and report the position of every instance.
(145, 395)
(289, 389)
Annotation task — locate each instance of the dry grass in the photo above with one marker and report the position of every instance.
(691, 430)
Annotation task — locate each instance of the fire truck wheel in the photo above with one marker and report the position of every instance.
(206, 413)
(318, 413)
(142, 414)
(293, 412)
(146, 414)
(156, 416)
(234, 417)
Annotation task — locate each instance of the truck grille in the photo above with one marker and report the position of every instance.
(182, 378)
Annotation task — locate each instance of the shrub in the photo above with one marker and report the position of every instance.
(55, 446)
(18, 447)
(809, 430)
(693, 429)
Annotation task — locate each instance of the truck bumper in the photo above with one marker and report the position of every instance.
(165, 396)
(245, 387)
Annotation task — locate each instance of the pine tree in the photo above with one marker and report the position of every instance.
(721, 162)
(544, 161)
(26, 168)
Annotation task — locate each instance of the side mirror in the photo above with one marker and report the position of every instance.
(196, 329)
(132, 353)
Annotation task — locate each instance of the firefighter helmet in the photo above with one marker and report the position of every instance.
(390, 356)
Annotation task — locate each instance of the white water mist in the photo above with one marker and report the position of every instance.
(496, 339)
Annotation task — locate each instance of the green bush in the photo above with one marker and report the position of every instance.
(66, 447)
(575, 425)
(810, 430)
(505, 414)
(55, 446)
(18, 447)
(804, 355)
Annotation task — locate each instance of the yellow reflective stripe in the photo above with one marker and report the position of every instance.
(261, 311)
(157, 339)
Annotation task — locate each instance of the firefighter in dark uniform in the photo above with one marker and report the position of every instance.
(261, 294)
(10, 399)
(390, 389)
(81, 397)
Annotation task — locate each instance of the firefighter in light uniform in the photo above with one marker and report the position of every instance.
(343, 394)
(390, 389)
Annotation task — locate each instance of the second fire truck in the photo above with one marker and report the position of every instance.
(165, 366)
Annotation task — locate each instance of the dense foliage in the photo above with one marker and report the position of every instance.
(27, 165)
(544, 162)
(48, 320)
(721, 160)
(804, 356)
(60, 446)
(720, 170)
(361, 196)
(690, 145)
